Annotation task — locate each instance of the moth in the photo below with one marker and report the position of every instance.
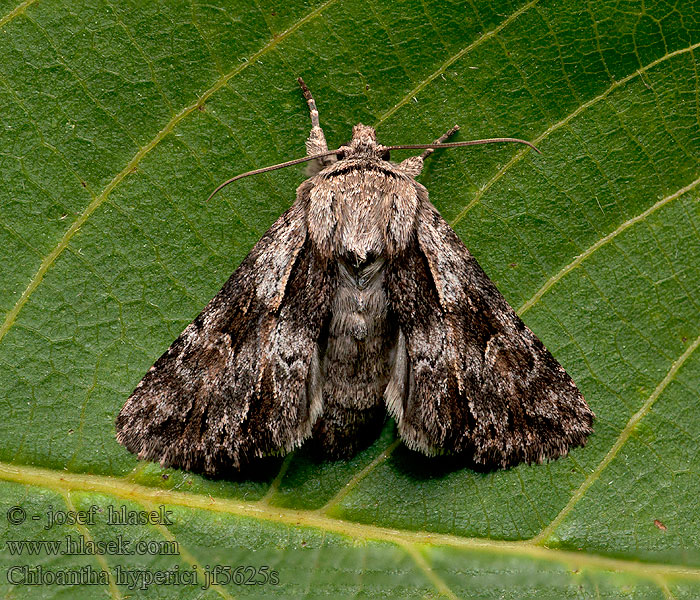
(359, 301)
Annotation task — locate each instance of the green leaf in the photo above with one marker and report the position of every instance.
(117, 121)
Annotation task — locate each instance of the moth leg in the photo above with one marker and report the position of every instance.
(414, 165)
(316, 144)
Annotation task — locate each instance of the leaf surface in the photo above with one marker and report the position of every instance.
(117, 121)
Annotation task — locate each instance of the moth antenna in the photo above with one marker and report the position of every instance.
(297, 161)
(289, 163)
(459, 144)
(443, 138)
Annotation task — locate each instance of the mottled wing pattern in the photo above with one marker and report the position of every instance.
(473, 378)
(242, 379)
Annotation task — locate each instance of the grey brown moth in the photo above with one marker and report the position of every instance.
(359, 301)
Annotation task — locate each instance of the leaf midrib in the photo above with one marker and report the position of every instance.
(63, 483)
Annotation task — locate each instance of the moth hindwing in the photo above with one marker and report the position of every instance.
(359, 301)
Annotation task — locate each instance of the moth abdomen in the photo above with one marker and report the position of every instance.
(356, 361)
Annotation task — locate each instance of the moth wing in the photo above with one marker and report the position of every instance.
(241, 381)
(469, 376)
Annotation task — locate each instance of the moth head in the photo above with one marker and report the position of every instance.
(364, 143)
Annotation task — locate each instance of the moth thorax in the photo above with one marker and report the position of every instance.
(366, 208)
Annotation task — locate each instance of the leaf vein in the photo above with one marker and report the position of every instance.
(446, 65)
(184, 554)
(51, 257)
(99, 558)
(358, 477)
(144, 56)
(602, 242)
(18, 10)
(432, 576)
(565, 121)
(622, 438)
